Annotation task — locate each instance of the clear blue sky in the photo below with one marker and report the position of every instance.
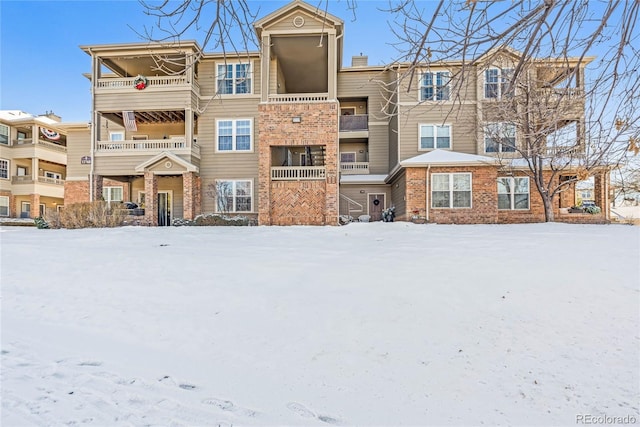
(41, 65)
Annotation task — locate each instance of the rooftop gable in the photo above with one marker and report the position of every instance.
(298, 7)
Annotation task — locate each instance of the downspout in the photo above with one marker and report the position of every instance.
(93, 125)
(427, 195)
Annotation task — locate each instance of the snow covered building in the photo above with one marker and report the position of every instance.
(291, 135)
(33, 164)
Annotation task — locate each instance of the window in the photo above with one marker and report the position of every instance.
(500, 138)
(513, 193)
(498, 82)
(42, 210)
(116, 136)
(4, 206)
(52, 175)
(233, 196)
(435, 86)
(234, 135)
(4, 134)
(451, 190)
(434, 136)
(234, 78)
(4, 168)
(347, 157)
(22, 171)
(25, 210)
(112, 194)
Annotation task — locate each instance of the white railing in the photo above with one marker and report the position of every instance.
(28, 179)
(29, 141)
(128, 82)
(297, 173)
(143, 145)
(299, 97)
(354, 168)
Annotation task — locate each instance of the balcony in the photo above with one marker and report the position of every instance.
(147, 146)
(354, 126)
(42, 185)
(354, 168)
(291, 98)
(297, 173)
(39, 149)
(153, 82)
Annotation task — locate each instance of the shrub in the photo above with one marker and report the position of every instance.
(87, 215)
(215, 219)
(592, 210)
(41, 222)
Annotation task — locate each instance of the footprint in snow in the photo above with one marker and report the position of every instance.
(227, 405)
(305, 412)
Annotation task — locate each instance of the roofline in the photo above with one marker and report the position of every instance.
(139, 45)
(447, 164)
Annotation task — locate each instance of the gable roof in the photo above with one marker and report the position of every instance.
(169, 156)
(265, 21)
(439, 157)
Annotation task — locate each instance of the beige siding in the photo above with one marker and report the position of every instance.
(78, 146)
(123, 165)
(398, 192)
(207, 72)
(156, 100)
(285, 24)
(463, 88)
(379, 149)
(359, 193)
(366, 84)
(393, 142)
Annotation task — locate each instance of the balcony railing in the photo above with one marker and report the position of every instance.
(354, 168)
(358, 122)
(297, 173)
(40, 142)
(154, 81)
(28, 179)
(145, 145)
(290, 98)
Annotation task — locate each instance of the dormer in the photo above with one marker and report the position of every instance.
(301, 51)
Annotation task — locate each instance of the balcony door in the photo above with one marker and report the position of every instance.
(164, 208)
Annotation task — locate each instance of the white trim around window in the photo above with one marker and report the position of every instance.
(348, 156)
(451, 190)
(234, 78)
(435, 86)
(4, 205)
(500, 137)
(496, 82)
(116, 136)
(234, 196)
(432, 136)
(4, 134)
(513, 193)
(4, 169)
(234, 135)
(113, 194)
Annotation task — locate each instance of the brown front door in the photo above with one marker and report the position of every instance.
(376, 206)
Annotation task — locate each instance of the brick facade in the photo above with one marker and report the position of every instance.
(76, 192)
(192, 194)
(12, 203)
(151, 201)
(290, 202)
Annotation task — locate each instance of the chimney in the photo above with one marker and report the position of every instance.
(359, 61)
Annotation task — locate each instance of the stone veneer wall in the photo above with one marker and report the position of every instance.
(192, 195)
(298, 202)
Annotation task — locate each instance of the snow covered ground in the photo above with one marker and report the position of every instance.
(367, 324)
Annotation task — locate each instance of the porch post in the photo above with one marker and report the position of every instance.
(151, 198)
(97, 187)
(34, 199)
(191, 195)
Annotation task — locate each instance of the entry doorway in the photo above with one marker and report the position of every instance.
(165, 200)
(376, 206)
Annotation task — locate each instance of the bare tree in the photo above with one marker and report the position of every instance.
(562, 33)
(565, 33)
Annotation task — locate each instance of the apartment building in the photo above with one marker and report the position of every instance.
(291, 135)
(33, 164)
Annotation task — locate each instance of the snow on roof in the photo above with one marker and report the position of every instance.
(362, 179)
(448, 158)
(17, 115)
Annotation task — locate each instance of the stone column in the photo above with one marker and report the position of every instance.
(97, 187)
(601, 192)
(151, 198)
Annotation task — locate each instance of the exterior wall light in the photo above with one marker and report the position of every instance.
(296, 119)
